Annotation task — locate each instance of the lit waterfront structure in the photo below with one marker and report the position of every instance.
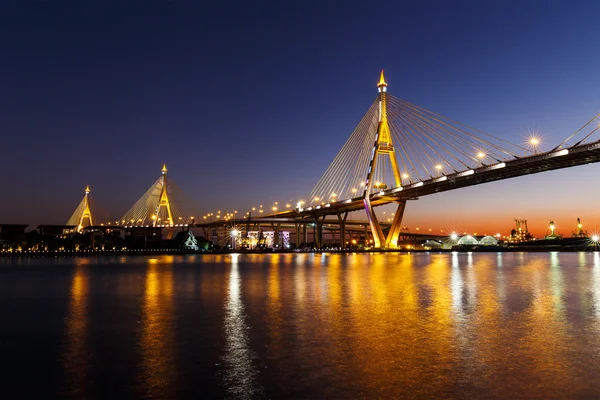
(400, 151)
(579, 231)
(383, 146)
(163, 205)
(553, 232)
(520, 233)
(418, 151)
(82, 216)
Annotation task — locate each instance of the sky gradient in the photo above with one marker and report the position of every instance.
(249, 104)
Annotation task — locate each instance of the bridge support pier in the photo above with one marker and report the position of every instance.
(319, 232)
(276, 228)
(342, 222)
(391, 241)
(379, 239)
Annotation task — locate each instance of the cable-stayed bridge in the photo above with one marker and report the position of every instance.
(164, 204)
(400, 152)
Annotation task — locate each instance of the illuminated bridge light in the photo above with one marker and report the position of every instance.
(397, 190)
(498, 166)
(441, 179)
(466, 173)
(349, 201)
(559, 153)
(418, 184)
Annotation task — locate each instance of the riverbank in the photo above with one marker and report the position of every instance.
(149, 252)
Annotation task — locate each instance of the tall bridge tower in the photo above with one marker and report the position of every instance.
(82, 216)
(383, 146)
(163, 200)
(163, 205)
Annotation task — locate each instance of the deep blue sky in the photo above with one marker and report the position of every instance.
(248, 102)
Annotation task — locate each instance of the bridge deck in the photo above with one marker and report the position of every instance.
(563, 158)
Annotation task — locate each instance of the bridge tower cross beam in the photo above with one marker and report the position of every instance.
(383, 146)
(163, 199)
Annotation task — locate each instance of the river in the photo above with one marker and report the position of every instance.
(302, 326)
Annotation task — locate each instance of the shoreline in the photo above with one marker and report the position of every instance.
(90, 253)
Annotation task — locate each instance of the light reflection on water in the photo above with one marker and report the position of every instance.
(156, 341)
(74, 360)
(511, 325)
(240, 376)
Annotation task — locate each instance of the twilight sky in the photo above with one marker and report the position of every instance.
(249, 102)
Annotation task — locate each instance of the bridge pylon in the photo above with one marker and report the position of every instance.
(82, 216)
(163, 205)
(163, 201)
(383, 146)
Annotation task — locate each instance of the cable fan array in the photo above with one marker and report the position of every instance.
(426, 145)
(146, 211)
(593, 124)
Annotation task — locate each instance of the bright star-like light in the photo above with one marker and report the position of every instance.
(533, 140)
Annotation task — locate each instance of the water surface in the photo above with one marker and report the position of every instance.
(506, 325)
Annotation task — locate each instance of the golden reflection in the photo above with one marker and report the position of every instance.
(596, 283)
(539, 333)
(582, 259)
(275, 307)
(156, 342)
(241, 375)
(439, 320)
(479, 328)
(384, 327)
(556, 282)
(75, 361)
(457, 287)
(413, 326)
(300, 279)
(501, 281)
(334, 273)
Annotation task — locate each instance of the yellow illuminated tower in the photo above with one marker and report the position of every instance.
(164, 199)
(383, 147)
(82, 216)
